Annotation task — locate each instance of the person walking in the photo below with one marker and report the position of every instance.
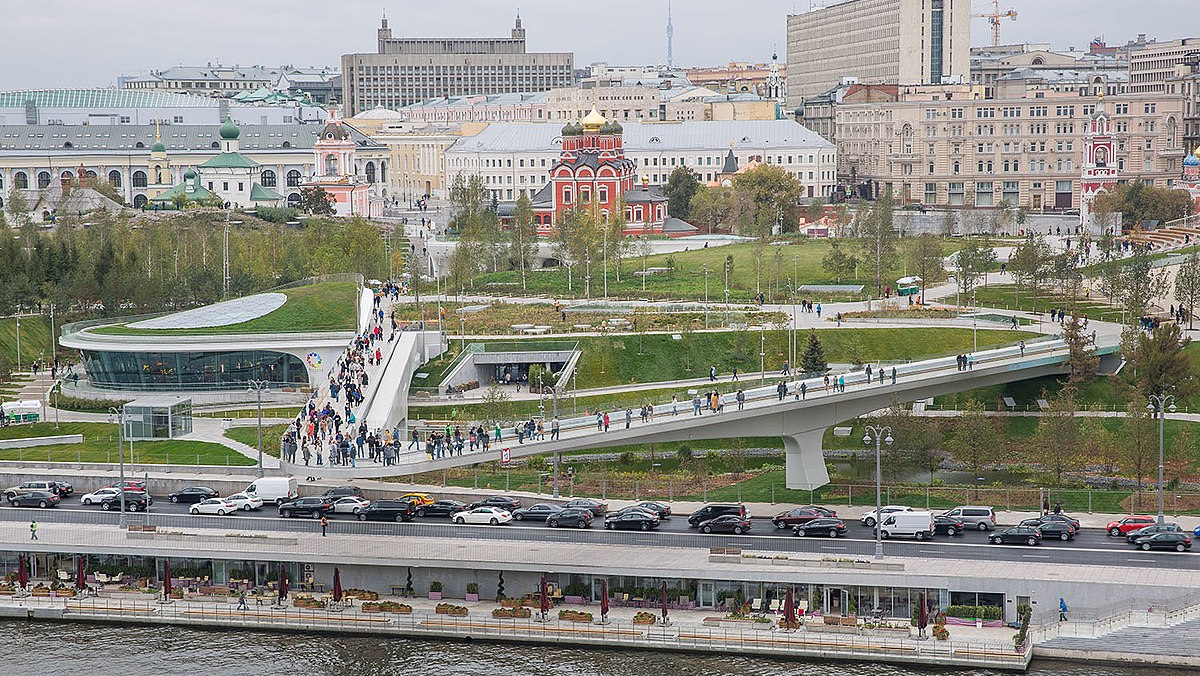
(554, 428)
(33, 526)
(893, 375)
(868, 373)
(607, 421)
(712, 374)
(628, 417)
(803, 390)
(741, 399)
(735, 374)
(674, 405)
(1022, 348)
(324, 525)
(1062, 609)
(781, 390)
(242, 601)
(696, 404)
(841, 383)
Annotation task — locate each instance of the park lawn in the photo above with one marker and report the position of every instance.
(652, 358)
(1008, 297)
(100, 445)
(801, 258)
(327, 306)
(35, 339)
(285, 412)
(249, 436)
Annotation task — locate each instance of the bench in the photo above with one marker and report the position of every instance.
(398, 589)
(1043, 404)
(1010, 403)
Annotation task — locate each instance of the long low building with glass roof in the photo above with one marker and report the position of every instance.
(290, 337)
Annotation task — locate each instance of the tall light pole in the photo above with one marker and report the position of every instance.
(762, 352)
(606, 267)
(726, 294)
(1160, 405)
(705, 266)
(258, 386)
(880, 434)
(122, 523)
(974, 322)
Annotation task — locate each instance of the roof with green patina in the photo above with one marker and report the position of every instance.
(230, 161)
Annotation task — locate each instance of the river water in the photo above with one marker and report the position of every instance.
(70, 648)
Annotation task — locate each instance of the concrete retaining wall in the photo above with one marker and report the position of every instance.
(30, 442)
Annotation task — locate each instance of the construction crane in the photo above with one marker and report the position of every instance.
(994, 18)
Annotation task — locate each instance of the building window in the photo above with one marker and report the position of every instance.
(371, 173)
(983, 194)
(1012, 193)
(268, 178)
(293, 179)
(566, 195)
(930, 193)
(955, 194)
(139, 179)
(21, 180)
(225, 186)
(603, 195)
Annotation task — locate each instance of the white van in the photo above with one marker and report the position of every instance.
(276, 489)
(917, 525)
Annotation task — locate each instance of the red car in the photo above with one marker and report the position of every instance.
(135, 485)
(801, 515)
(1128, 525)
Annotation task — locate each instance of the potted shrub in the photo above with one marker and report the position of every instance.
(940, 632)
(457, 611)
(643, 617)
(472, 591)
(435, 591)
(371, 607)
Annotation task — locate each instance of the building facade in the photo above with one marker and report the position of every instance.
(1150, 66)
(336, 171)
(37, 157)
(1099, 173)
(985, 153)
(877, 41)
(405, 71)
(136, 107)
(516, 159)
(989, 64)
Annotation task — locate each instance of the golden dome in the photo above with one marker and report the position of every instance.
(593, 121)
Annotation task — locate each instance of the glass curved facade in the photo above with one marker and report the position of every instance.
(192, 370)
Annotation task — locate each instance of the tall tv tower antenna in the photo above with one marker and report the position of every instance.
(670, 38)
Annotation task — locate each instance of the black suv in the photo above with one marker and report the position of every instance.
(315, 506)
(713, 511)
(135, 501)
(343, 492)
(388, 510)
(506, 503)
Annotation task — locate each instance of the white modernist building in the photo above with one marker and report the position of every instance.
(516, 159)
(133, 107)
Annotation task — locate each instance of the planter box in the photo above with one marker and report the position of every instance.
(644, 622)
(472, 597)
(435, 596)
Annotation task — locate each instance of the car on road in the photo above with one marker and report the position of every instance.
(596, 507)
(538, 512)
(797, 516)
(979, 518)
(662, 509)
(503, 502)
(343, 491)
(713, 511)
(193, 494)
(419, 499)
(135, 501)
(1064, 517)
(42, 499)
(218, 506)
(130, 485)
(441, 508)
(351, 504)
(1051, 528)
(728, 523)
(868, 518)
(1151, 530)
(1017, 535)
(64, 488)
(481, 515)
(822, 527)
(388, 510)
(1180, 542)
(631, 519)
(245, 501)
(948, 525)
(571, 518)
(31, 487)
(315, 506)
(1128, 525)
(96, 496)
(276, 489)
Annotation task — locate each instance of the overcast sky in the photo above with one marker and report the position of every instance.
(79, 43)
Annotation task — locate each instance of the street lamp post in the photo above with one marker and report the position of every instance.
(762, 352)
(1160, 405)
(880, 434)
(120, 413)
(705, 266)
(974, 322)
(726, 294)
(258, 386)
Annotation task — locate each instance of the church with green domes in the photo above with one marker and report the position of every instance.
(229, 178)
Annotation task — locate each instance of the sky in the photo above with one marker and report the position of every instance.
(80, 43)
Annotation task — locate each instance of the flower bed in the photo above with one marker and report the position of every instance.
(386, 607)
(361, 594)
(449, 609)
(785, 624)
(7, 590)
(644, 617)
(308, 602)
(510, 613)
(574, 616)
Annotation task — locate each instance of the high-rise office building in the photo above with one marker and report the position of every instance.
(408, 70)
(877, 41)
(1150, 66)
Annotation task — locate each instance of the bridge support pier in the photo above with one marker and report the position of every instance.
(804, 465)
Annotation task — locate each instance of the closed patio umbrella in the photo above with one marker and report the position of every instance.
(166, 579)
(337, 585)
(22, 571)
(545, 598)
(789, 607)
(922, 616)
(80, 574)
(603, 600)
(664, 601)
(283, 584)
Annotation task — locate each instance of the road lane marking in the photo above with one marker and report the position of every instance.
(1035, 556)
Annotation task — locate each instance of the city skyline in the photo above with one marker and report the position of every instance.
(707, 32)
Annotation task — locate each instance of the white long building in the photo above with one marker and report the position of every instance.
(516, 158)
